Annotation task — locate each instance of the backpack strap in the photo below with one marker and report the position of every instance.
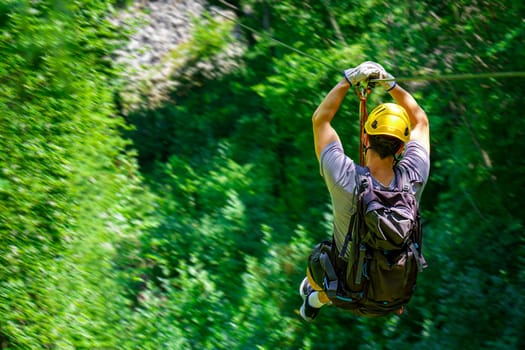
(360, 263)
(348, 237)
(404, 182)
(414, 247)
(361, 182)
(420, 259)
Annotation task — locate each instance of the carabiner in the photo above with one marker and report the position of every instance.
(362, 90)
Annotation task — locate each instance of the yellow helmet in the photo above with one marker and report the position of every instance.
(389, 119)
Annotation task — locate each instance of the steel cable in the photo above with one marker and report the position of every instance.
(432, 77)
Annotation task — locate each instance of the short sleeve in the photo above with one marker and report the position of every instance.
(337, 169)
(339, 173)
(416, 163)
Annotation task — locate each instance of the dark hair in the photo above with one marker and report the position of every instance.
(384, 145)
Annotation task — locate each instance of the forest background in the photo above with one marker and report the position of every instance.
(183, 219)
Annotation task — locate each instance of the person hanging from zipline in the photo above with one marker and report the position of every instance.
(366, 268)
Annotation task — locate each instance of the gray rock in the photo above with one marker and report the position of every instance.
(154, 58)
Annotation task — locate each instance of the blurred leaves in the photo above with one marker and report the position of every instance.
(187, 225)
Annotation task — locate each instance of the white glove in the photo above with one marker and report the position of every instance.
(364, 71)
(381, 73)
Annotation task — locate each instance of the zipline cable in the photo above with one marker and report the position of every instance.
(278, 41)
(494, 75)
(437, 77)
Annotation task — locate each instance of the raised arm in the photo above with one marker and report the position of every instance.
(324, 133)
(418, 117)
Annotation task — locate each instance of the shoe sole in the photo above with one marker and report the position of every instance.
(302, 287)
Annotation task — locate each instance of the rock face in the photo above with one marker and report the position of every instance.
(154, 57)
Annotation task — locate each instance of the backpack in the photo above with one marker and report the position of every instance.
(385, 235)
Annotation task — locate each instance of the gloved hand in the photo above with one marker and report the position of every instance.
(381, 73)
(364, 71)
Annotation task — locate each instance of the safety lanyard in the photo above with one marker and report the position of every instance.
(362, 90)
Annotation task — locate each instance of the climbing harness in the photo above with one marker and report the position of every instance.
(362, 91)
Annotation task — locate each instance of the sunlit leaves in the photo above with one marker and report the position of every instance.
(92, 259)
(67, 181)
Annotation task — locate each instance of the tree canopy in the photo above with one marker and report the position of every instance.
(186, 224)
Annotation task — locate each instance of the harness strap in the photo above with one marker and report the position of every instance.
(362, 92)
(331, 281)
(420, 260)
(348, 237)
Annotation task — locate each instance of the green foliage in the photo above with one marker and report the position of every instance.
(210, 34)
(69, 190)
(472, 175)
(205, 246)
(187, 313)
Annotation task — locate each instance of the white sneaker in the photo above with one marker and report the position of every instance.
(307, 312)
(305, 288)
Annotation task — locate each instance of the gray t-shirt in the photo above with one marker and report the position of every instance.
(339, 173)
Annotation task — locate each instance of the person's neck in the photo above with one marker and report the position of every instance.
(381, 169)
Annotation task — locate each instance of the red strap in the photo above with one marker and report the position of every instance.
(362, 92)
